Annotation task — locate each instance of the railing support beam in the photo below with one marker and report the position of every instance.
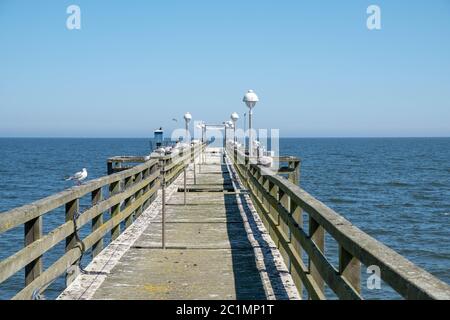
(97, 222)
(33, 232)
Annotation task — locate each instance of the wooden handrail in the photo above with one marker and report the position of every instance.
(130, 193)
(280, 203)
(23, 214)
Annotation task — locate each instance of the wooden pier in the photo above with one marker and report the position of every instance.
(208, 252)
(206, 223)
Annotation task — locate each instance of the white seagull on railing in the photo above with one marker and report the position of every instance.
(79, 176)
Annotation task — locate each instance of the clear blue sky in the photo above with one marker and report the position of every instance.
(135, 65)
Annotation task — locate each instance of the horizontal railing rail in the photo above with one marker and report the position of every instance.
(130, 192)
(282, 204)
(172, 165)
(122, 163)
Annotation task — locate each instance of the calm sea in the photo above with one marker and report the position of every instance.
(396, 190)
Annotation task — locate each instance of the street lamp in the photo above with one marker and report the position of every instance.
(234, 117)
(187, 119)
(250, 99)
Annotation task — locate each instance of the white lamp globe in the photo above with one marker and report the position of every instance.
(250, 99)
(234, 117)
(187, 117)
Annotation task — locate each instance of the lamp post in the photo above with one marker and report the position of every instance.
(245, 129)
(225, 126)
(234, 118)
(187, 119)
(250, 99)
(200, 126)
(203, 132)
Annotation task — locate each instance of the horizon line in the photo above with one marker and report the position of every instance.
(281, 137)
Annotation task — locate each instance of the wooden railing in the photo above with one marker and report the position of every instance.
(173, 164)
(282, 204)
(122, 163)
(125, 195)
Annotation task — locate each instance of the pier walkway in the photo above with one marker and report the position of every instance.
(246, 231)
(216, 248)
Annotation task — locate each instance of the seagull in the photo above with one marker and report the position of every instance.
(79, 176)
(265, 161)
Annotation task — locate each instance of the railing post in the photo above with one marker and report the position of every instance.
(128, 183)
(294, 176)
(297, 215)
(146, 173)
(273, 190)
(285, 203)
(246, 170)
(97, 222)
(110, 167)
(350, 268)
(163, 206)
(137, 195)
(33, 232)
(114, 188)
(266, 186)
(72, 209)
(317, 235)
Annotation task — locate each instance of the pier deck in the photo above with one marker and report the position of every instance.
(247, 231)
(216, 248)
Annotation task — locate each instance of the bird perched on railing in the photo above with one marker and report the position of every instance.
(78, 177)
(263, 159)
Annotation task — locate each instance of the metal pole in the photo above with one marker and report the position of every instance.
(245, 131)
(163, 211)
(225, 140)
(250, 145)
(195, 173)
(204, 155)
(184, 173)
